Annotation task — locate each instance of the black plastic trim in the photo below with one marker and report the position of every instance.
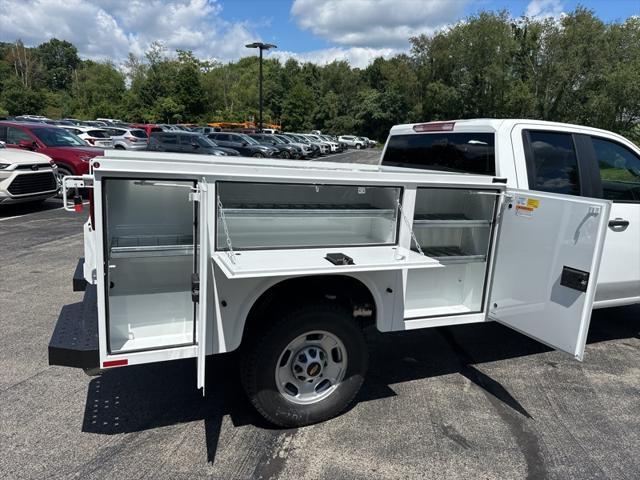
(74, 342)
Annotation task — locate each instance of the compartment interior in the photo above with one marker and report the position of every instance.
(150, 253)
(453, 226)
(268, 215)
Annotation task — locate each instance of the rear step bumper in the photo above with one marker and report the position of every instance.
(74, 342)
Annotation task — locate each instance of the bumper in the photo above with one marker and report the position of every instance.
(74, 342)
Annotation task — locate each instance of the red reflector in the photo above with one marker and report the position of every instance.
(115, 363)
(77, 203)
(434, 127)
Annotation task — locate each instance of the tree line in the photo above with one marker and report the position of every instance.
(575, 69)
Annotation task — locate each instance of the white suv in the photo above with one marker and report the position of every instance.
(94, 136)
(26, 176)
(351, 141)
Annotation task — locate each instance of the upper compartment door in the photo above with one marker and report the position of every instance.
(546, 266)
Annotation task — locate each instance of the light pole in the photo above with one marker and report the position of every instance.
(261, 46)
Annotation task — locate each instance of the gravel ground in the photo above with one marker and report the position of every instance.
(475, 401)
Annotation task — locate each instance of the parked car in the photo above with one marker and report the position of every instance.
(98, 137)
(285, 150)
(149, 128)
(571, 160)
(204, 130)
(325, 148)
(334, 147)
(26, 176)
(317, 150)
(351, 141)
(128, 138)
(370, 143)
(247, 146)
(184, 142)
(305, 149)
(70, 153)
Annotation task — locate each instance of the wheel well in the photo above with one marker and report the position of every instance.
(348, 291)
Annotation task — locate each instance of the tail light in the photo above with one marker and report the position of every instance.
(434, 127)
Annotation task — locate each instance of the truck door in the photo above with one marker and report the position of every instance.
(546, 266)
(199, 279)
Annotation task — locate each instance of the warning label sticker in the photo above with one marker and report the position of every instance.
(526, 207)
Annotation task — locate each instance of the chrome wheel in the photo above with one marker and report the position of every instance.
(311, 367)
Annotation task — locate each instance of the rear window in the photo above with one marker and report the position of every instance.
(449, 152)
(138, 133)
(98, 133)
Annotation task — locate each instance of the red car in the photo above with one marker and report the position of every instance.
(70, 153)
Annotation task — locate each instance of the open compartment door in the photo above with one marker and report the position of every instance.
(546, 266)
(199, 284)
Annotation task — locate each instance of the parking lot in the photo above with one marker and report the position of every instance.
(475, 401)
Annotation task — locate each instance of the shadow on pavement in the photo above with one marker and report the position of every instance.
(150, 396)
(26, 208)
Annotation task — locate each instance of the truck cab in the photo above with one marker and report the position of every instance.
(542, 156)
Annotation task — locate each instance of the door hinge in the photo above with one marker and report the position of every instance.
(194, 196)
(195, 287)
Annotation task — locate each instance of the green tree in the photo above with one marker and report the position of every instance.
(59, 59)
(21, 100)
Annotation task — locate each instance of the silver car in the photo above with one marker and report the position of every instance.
(128, 138)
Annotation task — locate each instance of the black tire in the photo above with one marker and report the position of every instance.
(258, 155)
(119, 147)
(263, 351)
(284, 154)
(358, 146)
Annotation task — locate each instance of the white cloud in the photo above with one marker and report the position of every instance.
(109, 29)
(375, 23)
(356, 56)
(544, 8)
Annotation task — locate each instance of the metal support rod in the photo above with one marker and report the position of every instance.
(260, 121)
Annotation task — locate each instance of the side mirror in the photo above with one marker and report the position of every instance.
(27, 144)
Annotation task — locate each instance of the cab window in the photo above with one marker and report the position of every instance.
(619, 170)
(552, 163)
(449, 152)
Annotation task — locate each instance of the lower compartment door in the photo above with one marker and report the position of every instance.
(546, 266)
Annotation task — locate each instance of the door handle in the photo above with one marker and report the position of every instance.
(618, 222)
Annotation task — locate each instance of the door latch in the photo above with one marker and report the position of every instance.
(195, 287)
(574, 278)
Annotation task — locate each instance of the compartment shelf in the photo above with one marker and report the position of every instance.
(151, 245)
(423, 220)
(305, 210)
(451, 254)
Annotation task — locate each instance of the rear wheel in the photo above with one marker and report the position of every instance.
(358, 146)
(258, 155)
(307, 366)
(119, 147)
(285, 154)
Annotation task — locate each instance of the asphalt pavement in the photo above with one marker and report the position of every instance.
(474, 401)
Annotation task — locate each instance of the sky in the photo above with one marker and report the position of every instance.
(319, 31)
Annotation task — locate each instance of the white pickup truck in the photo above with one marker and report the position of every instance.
(548, 157)
(189, 255)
